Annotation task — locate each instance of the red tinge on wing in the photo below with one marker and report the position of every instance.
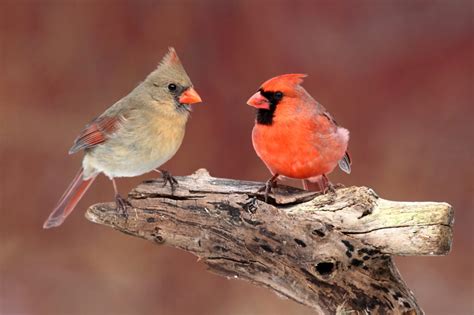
(97, 132)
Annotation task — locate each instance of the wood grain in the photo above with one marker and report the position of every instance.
(330, 252)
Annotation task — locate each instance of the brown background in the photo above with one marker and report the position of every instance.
(397, 74)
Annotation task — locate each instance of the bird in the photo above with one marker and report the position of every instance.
(134, 136)
(295, 136)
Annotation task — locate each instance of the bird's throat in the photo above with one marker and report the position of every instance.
(265, 116)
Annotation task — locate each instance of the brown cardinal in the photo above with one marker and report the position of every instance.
(136, 135)
(295, 136)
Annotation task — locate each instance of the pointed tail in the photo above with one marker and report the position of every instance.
(69, 200)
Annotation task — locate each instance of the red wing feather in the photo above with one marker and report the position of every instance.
(96, 132)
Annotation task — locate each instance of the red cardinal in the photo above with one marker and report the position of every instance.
(136, 135)
(295, 136)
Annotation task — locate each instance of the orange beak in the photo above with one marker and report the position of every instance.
(259, 101)
(190, 96)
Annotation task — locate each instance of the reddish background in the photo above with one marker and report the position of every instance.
(397, 74)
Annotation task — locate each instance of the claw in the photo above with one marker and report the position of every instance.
(251, 206)
(326, 185)
(122, 206)
(331, 188)
(167, 178)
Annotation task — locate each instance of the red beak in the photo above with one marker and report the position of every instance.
(259, 101)
(190, 96)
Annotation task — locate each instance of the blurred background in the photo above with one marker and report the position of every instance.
(397, 74)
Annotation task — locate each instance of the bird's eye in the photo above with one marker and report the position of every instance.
(278, 95)
(172, 87)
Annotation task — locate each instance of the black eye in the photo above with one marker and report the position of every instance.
(172, 87)
(278, 95)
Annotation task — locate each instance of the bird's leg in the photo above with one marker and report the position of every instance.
(251, 205)
(327, 186)
(271, 183)
(120, 202)
(167, 178)
(305, 184)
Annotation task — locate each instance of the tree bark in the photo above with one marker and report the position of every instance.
(330, 252)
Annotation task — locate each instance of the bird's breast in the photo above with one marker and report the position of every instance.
(139, 147)
(299, 148)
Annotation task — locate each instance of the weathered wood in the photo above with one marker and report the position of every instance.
(328, 252)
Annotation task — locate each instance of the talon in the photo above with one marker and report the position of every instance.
(122, 206)
(167, 178)
(331, 188)
(326, 186)
(251, 206)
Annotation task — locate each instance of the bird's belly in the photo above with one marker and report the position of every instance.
(134, 166)
(296, 156)
(306, 164)
(132, 158)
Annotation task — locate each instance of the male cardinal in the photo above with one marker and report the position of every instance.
(295, 136)
(137, 134)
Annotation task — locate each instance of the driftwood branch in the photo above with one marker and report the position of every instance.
(330, 252)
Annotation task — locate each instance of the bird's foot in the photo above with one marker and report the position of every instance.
(167, 178)
(251, 205)
(122, 205)
(269, 185)
(331, 188)
(326, 186)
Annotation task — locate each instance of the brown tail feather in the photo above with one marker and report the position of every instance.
(69, 200)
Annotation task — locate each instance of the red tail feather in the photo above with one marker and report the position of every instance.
(69, 200)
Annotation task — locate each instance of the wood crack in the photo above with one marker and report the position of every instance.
(394, 227)
(311, 248)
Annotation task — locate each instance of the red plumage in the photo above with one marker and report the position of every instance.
(69, 200)
(294, 135)
(96, 132)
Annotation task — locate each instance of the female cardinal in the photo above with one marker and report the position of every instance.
(295, 136)
(137, 134)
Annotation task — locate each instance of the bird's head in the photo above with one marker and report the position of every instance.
(169, 84)
(274, 92)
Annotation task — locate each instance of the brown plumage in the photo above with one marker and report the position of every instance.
(134, 136)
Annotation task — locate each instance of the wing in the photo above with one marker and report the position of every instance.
(345, 162)
(96, 132)
(330, 118)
